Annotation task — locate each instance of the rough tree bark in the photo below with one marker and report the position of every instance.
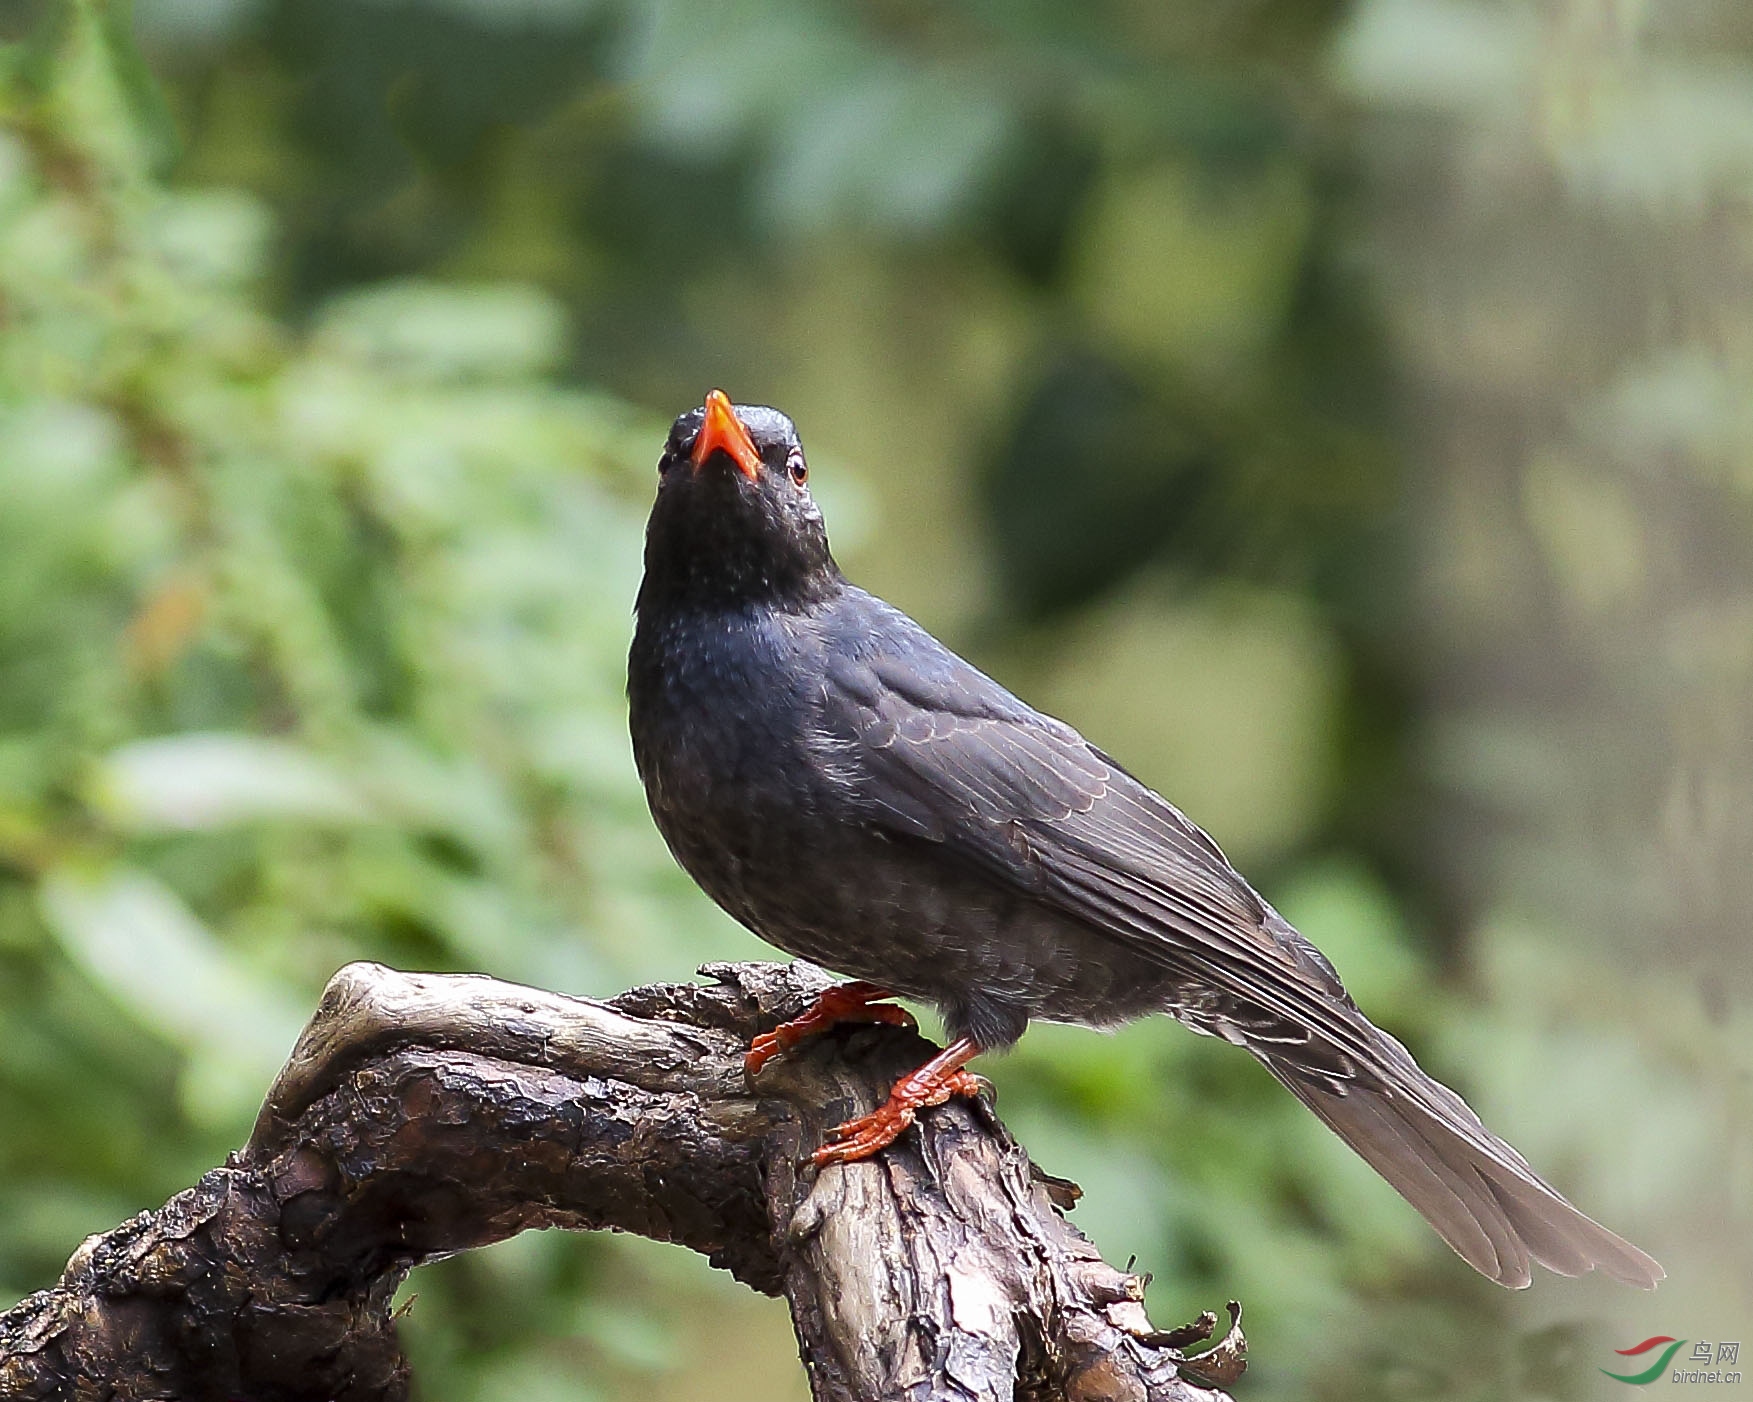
(421, 1115)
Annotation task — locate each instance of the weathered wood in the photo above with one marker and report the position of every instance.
(424, 1114)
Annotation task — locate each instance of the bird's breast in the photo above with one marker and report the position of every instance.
(719, 716)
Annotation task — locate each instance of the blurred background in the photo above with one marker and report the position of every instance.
(1337, 408)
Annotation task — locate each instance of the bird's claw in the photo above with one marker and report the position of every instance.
(850, 1002)
(866, 1135)
(763, 1048)
(893, 1014)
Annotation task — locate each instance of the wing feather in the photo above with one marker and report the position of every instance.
(948, 754)
(933, 749)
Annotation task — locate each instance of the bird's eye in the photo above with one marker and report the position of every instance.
(797, 467)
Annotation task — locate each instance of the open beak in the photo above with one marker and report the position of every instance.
(722, 431)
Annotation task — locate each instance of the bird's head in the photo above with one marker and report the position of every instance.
(734, 521)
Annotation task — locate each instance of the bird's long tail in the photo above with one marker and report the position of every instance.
(1473, 1188)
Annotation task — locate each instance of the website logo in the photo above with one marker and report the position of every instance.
(1708, 1361)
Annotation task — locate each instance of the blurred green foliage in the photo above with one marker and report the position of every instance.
(1192, 366)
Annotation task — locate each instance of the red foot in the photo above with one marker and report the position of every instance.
(932, 1084)
(846, 1002)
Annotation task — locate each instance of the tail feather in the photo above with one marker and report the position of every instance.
(1476, 1191)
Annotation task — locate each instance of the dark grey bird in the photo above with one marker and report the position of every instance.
(860, 796)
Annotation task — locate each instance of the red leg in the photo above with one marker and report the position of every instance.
(846, 1002)
(932, 1084)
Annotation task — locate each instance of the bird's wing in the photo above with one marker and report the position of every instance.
(934, 749)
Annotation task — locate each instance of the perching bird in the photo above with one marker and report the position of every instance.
(860, 796)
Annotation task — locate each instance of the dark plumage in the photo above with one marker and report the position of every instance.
(857, 794)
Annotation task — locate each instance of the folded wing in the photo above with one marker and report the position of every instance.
(935, 750)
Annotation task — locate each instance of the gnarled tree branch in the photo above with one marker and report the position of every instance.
(425, 1114)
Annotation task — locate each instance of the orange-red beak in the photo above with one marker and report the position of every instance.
(723, 431)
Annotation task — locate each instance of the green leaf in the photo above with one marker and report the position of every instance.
(214, 780)
(136, 939)
(427, 331)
